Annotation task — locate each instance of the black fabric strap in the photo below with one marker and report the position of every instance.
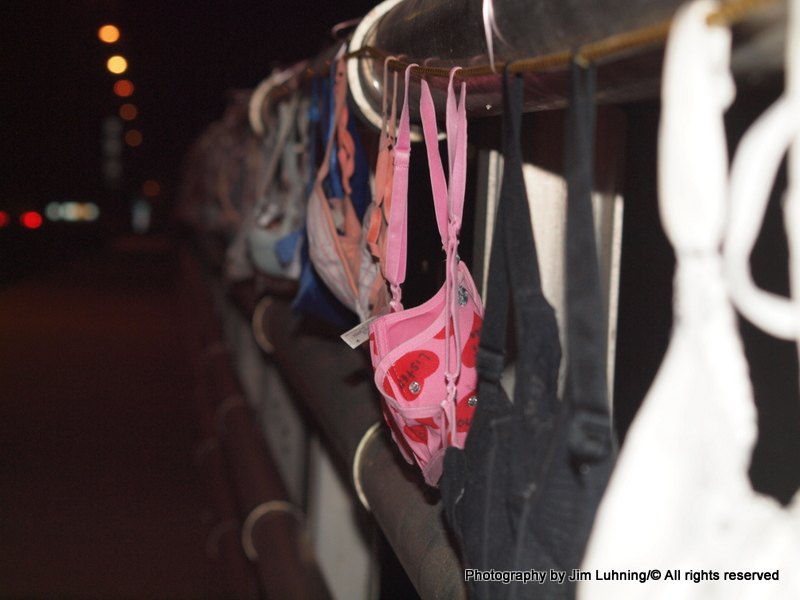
(587, 390)
(522, 260)
(523, 494)
(513, 266)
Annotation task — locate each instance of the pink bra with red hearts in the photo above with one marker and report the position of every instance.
(424, 357)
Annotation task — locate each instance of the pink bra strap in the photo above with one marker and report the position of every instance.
(451, 122)
(396, 243)
(449, 205)
(457, 152)
(448, 201)
(456, 123)
(430, 132)
(392, 132)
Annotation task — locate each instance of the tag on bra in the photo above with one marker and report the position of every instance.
(358, 334)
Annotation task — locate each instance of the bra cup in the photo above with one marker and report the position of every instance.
(325, 249)
(419, 359)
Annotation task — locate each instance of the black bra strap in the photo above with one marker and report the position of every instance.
(514, 267)
(590, 437)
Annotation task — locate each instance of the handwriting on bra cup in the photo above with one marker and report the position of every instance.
(414, 367)
(417, 433)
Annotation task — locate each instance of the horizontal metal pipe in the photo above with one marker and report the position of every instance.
(335, 385)
(273, 533)
(333, 382)
(449, 33)
(412, 519)
(225, 537)
(450, 30)
(224, 540)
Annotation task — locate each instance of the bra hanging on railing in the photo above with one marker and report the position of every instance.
(313, 297)
(506, 439)
(280, 207)
(336, 238)
(424, 357)
(681, 498)
(523, 493)
(264, 207)
(376, 219)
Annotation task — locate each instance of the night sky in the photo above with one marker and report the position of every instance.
(183, 56)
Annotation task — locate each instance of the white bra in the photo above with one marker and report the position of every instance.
(680, 502)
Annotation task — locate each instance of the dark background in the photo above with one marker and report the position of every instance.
(183, 56)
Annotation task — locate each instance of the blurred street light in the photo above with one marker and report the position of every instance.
(128, 112)
(31, 220)
(133, 138)
(108, 34)
(123, 88)
(117, 65)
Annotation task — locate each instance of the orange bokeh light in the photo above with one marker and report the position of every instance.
(128, 112)
(123, 88)
(31, 220)
(133, 138)
(117, 65)
(151, 188)
(108, 34)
